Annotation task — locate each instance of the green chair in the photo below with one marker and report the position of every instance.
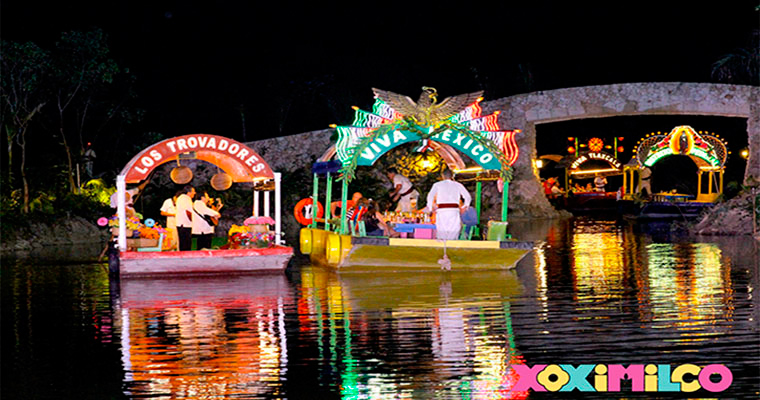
(466, 234)
(357, 228)
(157, 248)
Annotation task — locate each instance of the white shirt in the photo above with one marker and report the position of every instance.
(599, 182)
(200, 226)
(405, 183)
(169, 208)
(184, 203)
(447, 191)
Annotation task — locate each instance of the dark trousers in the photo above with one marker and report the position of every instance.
(185, 236)
(203, 241)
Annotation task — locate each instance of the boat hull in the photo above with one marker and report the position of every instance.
(662, 210)
(204, 261)
(371, 254)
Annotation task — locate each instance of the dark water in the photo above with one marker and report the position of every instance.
(593, 292)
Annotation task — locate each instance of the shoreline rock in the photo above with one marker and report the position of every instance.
(65, 231)
(730, 218)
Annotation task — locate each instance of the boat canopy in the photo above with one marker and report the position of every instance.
(240, 162)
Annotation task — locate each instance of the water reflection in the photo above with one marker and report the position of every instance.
(592, 292)
(396, 335)
(204, 337)
(605, 292)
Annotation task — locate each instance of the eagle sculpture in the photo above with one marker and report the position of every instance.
(425, 112)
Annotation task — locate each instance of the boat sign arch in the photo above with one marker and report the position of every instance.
(242, 163)
(381, 144)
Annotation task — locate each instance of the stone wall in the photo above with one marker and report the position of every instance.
(525, 111)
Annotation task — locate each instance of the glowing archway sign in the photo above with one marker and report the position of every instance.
(614, 163)
(241, 162)
(706, 150)
(374, 133)
(467, 145)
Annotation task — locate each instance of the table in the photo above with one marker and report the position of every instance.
(419, 231)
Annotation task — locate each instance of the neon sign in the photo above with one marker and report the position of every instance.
(683, 140)
(596, 156)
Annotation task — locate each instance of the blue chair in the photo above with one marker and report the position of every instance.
(157, 248)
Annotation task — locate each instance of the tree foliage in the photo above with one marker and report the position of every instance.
(25, 69)
(54, 103)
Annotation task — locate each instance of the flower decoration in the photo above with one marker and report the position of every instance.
(259, 221)
(102, 221)
(595, 144)
(149, 222)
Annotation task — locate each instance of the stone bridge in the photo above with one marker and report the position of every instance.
(525, 111)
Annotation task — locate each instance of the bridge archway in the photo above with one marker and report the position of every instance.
(527, 111)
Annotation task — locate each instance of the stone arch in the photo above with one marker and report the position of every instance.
(525, 111)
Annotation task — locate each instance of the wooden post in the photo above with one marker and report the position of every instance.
(121, 211)
(328, 200)
(255, 203)
(505, 201)
(625, 180)
(266, 203)
(277, 209)
(478, 193)
(699, 183)
(343, 202)
(314, 200)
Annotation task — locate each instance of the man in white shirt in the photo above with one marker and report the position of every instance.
(169, 210)
(403, 191)
(203, 231)
(443, 199)
(185, 218)
(600, 182)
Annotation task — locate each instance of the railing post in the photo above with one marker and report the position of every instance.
(328, 200)
(121, 211)
(277, 208)
(343, 211)
(314, 200)
(505, 201)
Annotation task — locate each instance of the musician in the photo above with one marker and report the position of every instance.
(169, 210)
(205, 218)
(184, 217)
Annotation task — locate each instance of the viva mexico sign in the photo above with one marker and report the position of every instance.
(382, 143)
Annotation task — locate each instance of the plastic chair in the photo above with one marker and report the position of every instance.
(357, 228)
(467, 231)
(157, 248)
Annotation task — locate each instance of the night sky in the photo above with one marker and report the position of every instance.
(295, 67)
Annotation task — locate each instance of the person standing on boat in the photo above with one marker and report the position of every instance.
(443, 199)
(646, 183)
(600, 182)
(403, 191)
(169, 210)
(185, 218)
(203, 221)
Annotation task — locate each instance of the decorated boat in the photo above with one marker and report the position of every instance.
(585, 161)
(708, 151)
(239, 164)
(454, 126)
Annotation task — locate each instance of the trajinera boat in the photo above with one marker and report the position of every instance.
(449, 127)
(241, 164)
(708, 152)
